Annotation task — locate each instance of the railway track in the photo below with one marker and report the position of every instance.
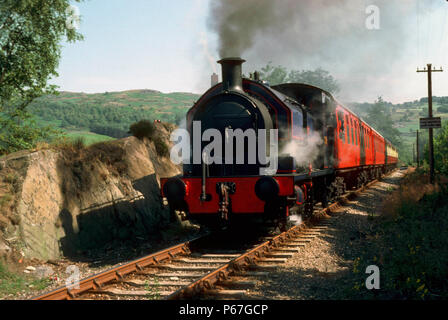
(191, 269)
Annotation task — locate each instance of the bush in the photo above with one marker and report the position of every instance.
(161, 147)
(442, 109)
(441, 150)
(143, 128)
(79, 143)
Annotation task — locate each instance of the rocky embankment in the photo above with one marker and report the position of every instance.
(62, 201)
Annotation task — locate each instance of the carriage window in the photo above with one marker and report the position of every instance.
(368, 140)
(358, 133)
(361, 137)
(342, 126)
(348, 129)
(365, 136)
(352, 132)
(297, 123)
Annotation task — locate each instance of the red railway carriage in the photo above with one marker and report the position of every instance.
(391, 154)
(348, 151)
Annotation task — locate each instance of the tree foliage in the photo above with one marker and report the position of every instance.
(143, 128)
(379, 117)
(21, 132)
(441, 150)
(318, 77)
(30, 36)
(442, 109)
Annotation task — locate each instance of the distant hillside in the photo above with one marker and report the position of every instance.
(110, 113)
(102, 116)
(406, 117)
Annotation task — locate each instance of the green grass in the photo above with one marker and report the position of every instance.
(88, 137)
(13, 283)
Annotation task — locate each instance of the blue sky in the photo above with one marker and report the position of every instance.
(157, 44)
(135, 45)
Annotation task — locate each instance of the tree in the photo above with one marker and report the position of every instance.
(273, 75)
(318, 77)
(379, 117)
(442, 109)
(441, 149)
(424, 112)
(30, 36)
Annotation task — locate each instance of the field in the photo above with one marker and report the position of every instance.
(408, 126)
(109, 113)
(88, 137)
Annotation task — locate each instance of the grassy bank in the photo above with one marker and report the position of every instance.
(408, 243)
(12, 283)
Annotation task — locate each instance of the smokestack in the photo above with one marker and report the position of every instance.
(214, 79)
(232, 78)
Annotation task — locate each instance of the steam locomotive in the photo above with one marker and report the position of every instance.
(350, 152)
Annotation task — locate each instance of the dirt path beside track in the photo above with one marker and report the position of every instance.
(323, 270)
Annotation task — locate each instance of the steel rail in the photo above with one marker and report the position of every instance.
(97, 281)
(239, 263)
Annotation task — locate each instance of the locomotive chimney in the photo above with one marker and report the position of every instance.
(232, 78)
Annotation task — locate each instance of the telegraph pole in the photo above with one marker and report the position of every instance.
(418, 157)
(413, 152)
(431, 146)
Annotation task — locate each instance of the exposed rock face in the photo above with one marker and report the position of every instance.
(59, 202)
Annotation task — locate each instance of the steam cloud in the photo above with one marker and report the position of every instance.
(332, 34)
(304, 153)
(205, 47)
(296, 219)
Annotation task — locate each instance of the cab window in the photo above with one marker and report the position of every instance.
(297, 123)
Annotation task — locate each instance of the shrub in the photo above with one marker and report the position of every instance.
(78, 143)
(143, 128)
(441, 150)
(161, 147)
(442, 109)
